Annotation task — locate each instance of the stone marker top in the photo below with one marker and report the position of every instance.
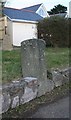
(28, 40)
(29, 79)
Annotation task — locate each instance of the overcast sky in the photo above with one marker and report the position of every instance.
(49, 4)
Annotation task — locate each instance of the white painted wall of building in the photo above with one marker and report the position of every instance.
(70, 9)
(23, 31)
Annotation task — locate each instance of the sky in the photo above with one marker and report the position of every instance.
(49, 4)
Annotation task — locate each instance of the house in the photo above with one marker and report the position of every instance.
(22, 23)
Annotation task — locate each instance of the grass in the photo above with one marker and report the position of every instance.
(57, 58)
(11, 65)
(11, 62)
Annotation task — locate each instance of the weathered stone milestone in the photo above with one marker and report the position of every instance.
(33, 62)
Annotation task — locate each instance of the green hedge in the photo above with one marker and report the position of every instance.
(55, 31)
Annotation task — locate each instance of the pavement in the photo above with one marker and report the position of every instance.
(58, 109)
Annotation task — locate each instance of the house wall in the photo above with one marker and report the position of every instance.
(23, 31)
(2, 28)
(70, 9)
(8, 35)
(10, 30)
(5, 18)
(3, 23)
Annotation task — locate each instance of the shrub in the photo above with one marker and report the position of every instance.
(54, 31)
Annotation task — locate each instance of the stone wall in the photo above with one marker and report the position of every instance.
(22, 91)
(61, 77)
(17, 92)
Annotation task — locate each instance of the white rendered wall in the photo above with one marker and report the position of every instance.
(23, 31)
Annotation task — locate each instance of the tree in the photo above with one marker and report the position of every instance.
(58, 9)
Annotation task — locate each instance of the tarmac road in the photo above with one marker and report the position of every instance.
(58, 109)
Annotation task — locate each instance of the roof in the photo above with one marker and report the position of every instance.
(28, 13)
(60, 15)
(33, 8)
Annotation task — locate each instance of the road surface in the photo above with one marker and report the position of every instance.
(58, 109)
